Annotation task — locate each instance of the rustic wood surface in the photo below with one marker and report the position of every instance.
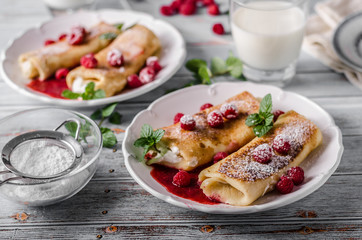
(113, 206)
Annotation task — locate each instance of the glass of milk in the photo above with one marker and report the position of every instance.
(268, 35)
(58, 7)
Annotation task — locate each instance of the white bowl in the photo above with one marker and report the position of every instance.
(319, 165)
(172, 56)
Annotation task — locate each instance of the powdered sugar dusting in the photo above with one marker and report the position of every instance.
(187, 119)
(243, 166)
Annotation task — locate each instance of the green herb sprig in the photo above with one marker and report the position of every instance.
(262, 122)
(108, 36)
(149, 138)
(108, 112)
(88, 94)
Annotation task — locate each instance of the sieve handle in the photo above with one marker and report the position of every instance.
(8, 179)
(71, 120)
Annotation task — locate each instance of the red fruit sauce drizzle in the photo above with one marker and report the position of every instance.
(51, 87)
(164, 176)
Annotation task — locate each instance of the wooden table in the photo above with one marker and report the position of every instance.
(114, 206)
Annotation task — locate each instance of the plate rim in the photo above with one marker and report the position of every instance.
(173, 199)
(95, 102)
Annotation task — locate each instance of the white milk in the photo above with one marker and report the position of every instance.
(268, 39)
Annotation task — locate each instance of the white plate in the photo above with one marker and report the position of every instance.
(172, 56)
(319, 165)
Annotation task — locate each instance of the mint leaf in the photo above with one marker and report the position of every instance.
(108, 36)
(268, 118)
(70, 95)
(119, 26)
(99, 94)
(218, 66)
(146, 130)
(253, 120)
(141, 142)
(158, 134)
(108, 110)
(235, 66)
(72, 128)
(96, 115)
(109, 139)
(205, 74)
(194, 64)
(261, 130)
(266, 104)
(115, 118)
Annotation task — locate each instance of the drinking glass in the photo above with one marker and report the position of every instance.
(59, 7)
(268, 35)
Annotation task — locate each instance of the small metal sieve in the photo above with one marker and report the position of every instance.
(52, 138)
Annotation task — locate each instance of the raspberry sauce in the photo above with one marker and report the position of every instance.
(51, 87)
(164, 176)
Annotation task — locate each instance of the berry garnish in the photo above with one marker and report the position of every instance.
(153, 63)
(208, 2)
(77, 35)
(61, 73)
(150, 155)
(48, 42)
(166, 10)
(213, 9)
(187, 122)
(229, 111)
(262, 153)
(219, 156)
(62, 36)
(115, 58)
(89, 61)
(177, 117)
(181, 179)
(175, 6)
(276, 114)
(285, 185)
(187, 9)
(133, 81)
(147, 75)
(218, 28)
(205, 106)
(281, 144)
(296, 174)
(215, 119)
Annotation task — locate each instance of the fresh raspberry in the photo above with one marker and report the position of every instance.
(277, 113)
(208, 2)
(213, 9)
(205, 106)
(149, 156)
(215, 119)
(229, 111)
(262, 153)
(187, 122)
(187, 9)
(219, 156)
(62, 36)
(89, 61)
(285, 185)
(115, 58)
(175, 6)
(77, 35)
(61, 73)
(181, 179)
(166, 10)
(147, 75)
(218, 28)
(48, 42)
(177, 117)
(133, 81)
(281, 144)
(153, 63)
(296, 174)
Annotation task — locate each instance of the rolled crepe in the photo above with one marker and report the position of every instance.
(44, 62)
(189, 149)
(136, 45)
(240, 180)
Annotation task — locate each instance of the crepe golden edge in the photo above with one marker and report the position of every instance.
(136, 44)
(44, 62)
(186, 150)
(223, 181)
